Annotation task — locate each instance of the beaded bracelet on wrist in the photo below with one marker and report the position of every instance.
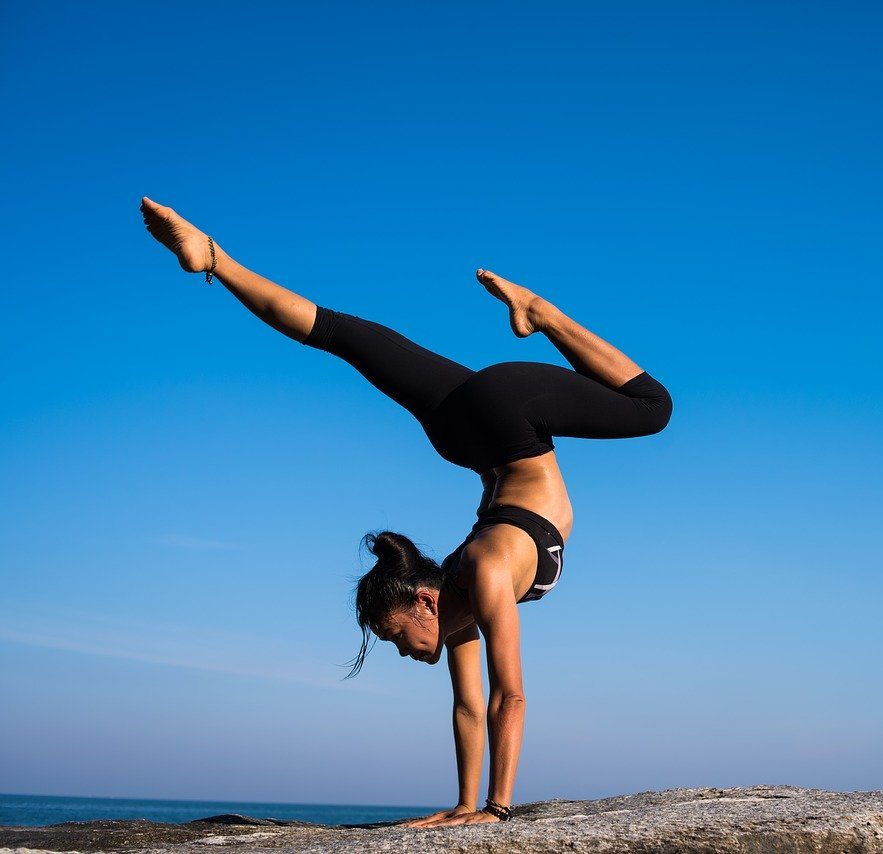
(498, 810)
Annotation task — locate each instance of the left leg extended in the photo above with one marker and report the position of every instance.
(284, 310)
(411, 375)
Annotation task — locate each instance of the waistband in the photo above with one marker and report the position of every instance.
(519, 516)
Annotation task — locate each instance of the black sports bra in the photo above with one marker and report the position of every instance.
(550, 545)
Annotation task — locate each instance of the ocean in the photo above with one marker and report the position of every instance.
(33, 810)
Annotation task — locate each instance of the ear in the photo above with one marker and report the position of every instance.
(428, 599)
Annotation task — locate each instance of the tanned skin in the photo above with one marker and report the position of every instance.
(497, 568)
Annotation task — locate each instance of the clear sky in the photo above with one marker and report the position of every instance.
(184, 489)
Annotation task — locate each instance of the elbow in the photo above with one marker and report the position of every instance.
(506, 709)
(469, 712)
(509, 699)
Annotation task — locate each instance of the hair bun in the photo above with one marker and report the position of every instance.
(387, 545)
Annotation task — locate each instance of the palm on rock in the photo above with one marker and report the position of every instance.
(427, 820)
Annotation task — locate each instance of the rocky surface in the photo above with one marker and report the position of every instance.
(753, 820)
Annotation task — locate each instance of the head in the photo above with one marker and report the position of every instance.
(398, 599)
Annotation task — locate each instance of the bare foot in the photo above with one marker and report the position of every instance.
(525, 307)
(188, 243)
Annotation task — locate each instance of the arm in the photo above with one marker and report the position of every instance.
(464, 664)
(494, 561)
(495, 609)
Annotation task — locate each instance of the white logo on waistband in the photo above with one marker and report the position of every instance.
(555, 551)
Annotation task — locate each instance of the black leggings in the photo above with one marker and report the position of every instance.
(502, 413)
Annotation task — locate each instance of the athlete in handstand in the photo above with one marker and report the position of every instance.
(499, 422)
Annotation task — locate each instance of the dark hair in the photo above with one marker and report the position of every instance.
(390, 585)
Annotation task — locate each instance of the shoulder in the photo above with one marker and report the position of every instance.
(498, 543)
(499, 555)
(493, 565)
(496, 566)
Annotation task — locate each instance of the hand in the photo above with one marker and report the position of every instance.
(458, 815)
(443, 815)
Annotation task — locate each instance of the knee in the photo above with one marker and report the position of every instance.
(660, 411)
(655, 401)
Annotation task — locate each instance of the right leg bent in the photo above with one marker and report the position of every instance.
(609, 396)
(589, 354)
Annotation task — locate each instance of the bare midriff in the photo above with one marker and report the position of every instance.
(536, 484)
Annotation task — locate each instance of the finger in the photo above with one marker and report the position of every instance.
(425, 819)
(455, 820)
(428, 819)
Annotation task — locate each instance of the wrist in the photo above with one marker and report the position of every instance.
(498, 810)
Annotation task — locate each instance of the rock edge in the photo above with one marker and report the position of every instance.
(741, 820)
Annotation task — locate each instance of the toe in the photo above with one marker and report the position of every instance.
(151, 207)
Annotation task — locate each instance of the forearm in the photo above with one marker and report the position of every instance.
(284, 310)
(505, 731)
(469, 746)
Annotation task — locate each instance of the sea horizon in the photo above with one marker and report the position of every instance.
(30, 810)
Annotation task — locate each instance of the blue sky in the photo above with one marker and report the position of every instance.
(184, 489)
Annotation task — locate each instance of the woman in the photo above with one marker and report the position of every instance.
(499, 422)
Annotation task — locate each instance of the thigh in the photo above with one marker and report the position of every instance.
(518, 399)
(411, 375)
(511, 411)
(562, 402)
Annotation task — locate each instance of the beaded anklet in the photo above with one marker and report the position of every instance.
(209, 274)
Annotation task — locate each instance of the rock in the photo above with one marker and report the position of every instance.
(744, 820)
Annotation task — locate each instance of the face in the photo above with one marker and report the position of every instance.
(415, 632)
